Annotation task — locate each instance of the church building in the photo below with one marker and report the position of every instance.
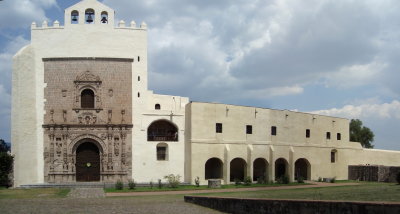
(82, 112)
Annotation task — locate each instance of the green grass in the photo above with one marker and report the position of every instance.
(33, 193)
(362, 192)
(192, 187)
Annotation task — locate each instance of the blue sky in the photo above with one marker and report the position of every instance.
(333, 57)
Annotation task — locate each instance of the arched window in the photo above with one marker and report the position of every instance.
(87, 99)
(89, 16)
(74, 17)
(162, 151)
(157, 107)
(104, 17)
(162, 130)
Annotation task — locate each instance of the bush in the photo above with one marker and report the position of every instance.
(398, 178)
(237, 182)
(151, 185)
(300, 180)
(283, 180)
(119, 185)
(333, 180)
(173, 180)
(262, 180)
(159, 184)
(247, 181)
(6, 165)
(131, 184)
(197, 181)
(319, 179)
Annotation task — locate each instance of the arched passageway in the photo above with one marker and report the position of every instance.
(260, 166)
(213, 169)
(238, 169)
(87, 162)
(281, 168)
(302, 169)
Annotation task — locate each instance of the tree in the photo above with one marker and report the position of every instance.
(360, 133)
(6, 163)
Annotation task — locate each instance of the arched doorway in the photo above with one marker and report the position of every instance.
(87, 162)
(260, 169)
(281, 168)
(238, 169)
(302, 169)
(213, 168)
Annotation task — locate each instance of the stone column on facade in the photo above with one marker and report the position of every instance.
(226, 165)
(271, 167)
(291, 165)
(250, 166)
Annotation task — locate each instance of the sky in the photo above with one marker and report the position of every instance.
(331, 57)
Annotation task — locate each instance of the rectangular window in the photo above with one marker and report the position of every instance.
(249, 129)
(218, 127)
(339, 136)
(308, 133)
(273, 130)
(328, 135)
(333, 158)
(161, 153)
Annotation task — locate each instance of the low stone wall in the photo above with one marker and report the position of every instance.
(373, 173)
(274, 206)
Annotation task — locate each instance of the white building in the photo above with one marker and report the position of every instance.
(82, 111)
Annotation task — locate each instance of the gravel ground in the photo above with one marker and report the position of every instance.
(147, 205)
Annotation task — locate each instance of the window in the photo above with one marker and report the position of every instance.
(273, 130)
(138, 58)
(328, 135)
(162, 151)
(249, 129)
(339, 136)
(74, 17)
(218, 127)
(138, 94)
(138, 78)
(162, 130)
(87, 99)
(333, 156)
(104, 17)
(308, 133)
(157, 107)
(89, 16)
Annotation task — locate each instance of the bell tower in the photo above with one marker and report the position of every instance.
(89, 12)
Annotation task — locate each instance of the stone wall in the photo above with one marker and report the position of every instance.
(273, 206)
(373, 173)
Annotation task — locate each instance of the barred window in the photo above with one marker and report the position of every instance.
(87, 98)
(162, 150)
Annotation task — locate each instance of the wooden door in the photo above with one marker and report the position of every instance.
(87, 162)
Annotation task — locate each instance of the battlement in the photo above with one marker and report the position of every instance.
(56, 25)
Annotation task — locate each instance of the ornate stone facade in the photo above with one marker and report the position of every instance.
(107, 124)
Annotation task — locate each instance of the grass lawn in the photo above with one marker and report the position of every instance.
(193, 187)
(33, 193)
(362, 192)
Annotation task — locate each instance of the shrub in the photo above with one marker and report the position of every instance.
(119, 185)
(237, 182)
(173, 180)
(197, 181)
(247, 181)
(300, 180)
(398, 178)
(319, 179)
(6, 166)
(159, 184)
(151, 185)
(283, 180)
(262, 180)
(333, 180)
(131, 184)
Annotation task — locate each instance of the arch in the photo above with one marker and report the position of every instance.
(281, 168)
(162, 130)
(74, 17)
(104, 17)
(73, 145)
(260, 169)
(87, 162)
(213, 169)
(162, 151)
(238, 169)
(302, 168)
(157, 106)
(89, 16)
(87, 98)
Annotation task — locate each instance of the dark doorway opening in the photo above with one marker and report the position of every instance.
(213, 168)
(260, 169)
(87, 162)
(280, 168)
(238, 169)
(302, 169)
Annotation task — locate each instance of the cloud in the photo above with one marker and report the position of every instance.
(23, 12)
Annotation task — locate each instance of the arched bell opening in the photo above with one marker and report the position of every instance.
(104, 17)
(89, 16)
(74, 17)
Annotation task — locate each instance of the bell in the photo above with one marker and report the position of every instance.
(74, 18)
(104, 20)
(89, 18)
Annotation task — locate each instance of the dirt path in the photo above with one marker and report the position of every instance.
(186, 192)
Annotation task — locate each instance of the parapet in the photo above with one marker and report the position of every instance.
(56, 25)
